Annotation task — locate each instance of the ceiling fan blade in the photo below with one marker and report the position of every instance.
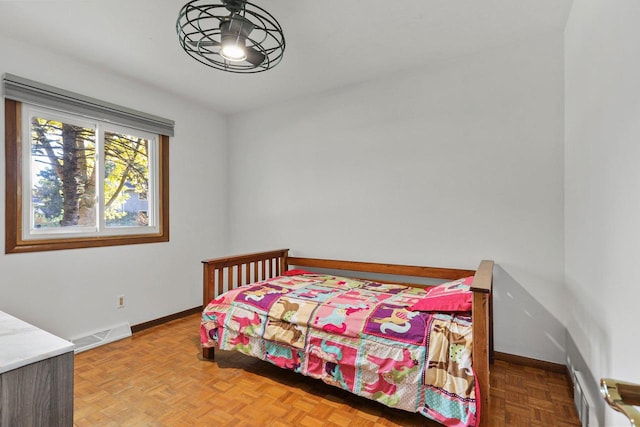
(255, 57)
(203, 43)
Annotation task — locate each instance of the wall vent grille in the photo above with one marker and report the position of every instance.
(95, 339)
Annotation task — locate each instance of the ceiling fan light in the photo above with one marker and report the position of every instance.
(233, 52)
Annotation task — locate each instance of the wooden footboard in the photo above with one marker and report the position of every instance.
(222, 274)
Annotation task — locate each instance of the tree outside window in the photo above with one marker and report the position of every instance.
(88, 183)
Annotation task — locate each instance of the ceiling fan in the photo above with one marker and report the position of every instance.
(233, 35)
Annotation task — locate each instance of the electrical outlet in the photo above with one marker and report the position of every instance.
(120, 301)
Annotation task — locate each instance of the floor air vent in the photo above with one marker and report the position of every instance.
(96, 339)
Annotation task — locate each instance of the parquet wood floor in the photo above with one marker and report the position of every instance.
(156, 378)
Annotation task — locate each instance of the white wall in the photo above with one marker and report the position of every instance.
(442, 166)
(72, 292)
(602, 186)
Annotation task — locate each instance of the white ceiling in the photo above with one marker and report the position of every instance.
(330, 43)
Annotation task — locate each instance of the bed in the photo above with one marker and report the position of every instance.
(386, 337)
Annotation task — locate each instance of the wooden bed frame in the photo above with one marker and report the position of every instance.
(222, 274)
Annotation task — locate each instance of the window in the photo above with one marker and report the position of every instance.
(75, 181)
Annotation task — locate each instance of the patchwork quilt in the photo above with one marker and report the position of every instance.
(372, 339)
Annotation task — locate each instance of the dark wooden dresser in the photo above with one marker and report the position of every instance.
(36, 376)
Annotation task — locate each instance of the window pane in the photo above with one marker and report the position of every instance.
(63, 184)
(52, 199)
(126, 180)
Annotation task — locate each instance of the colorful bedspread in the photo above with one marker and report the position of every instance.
(359, 335)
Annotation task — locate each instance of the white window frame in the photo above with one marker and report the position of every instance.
(30, 232)
(19, 91)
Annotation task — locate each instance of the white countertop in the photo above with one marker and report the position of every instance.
(22, 343)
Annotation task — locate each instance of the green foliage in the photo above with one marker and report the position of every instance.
(120, 219)
(66, 187)
(47, 197)
(126, 168)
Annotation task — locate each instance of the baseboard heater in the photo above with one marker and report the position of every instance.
(584, 401)
(95, 339)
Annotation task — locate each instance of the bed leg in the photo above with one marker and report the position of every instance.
(208, 353)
